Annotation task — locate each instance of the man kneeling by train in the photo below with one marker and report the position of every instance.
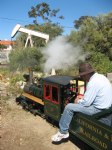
(97, 97)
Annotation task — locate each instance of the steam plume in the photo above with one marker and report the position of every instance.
(60, 54)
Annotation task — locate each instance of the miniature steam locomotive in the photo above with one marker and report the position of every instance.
(50, 95)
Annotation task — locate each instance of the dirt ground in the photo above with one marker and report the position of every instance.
(21, 130)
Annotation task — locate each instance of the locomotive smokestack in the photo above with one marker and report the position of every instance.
(53, 72)
(31, 74)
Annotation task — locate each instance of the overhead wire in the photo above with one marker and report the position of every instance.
(13, 19)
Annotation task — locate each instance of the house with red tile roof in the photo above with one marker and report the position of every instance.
(6, 44)
(5, 48)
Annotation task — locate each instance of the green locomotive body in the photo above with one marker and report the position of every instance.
(49, 98)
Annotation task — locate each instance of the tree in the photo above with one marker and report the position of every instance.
(101, 62)
(79, 22)
(95, 36)
(43, 11)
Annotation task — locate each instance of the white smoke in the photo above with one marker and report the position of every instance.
(60, 54)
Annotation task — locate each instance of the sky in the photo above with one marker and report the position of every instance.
(14, 12)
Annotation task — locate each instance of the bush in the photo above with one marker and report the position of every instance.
(21, 59)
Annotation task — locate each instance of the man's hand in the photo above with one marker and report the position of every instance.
(79, 97)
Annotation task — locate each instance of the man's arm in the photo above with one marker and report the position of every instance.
(89, 95)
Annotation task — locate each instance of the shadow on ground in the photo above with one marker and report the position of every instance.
(80, 144)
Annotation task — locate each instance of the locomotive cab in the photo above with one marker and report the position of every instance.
(58, 92)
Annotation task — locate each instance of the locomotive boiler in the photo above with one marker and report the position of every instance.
(48, 96)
